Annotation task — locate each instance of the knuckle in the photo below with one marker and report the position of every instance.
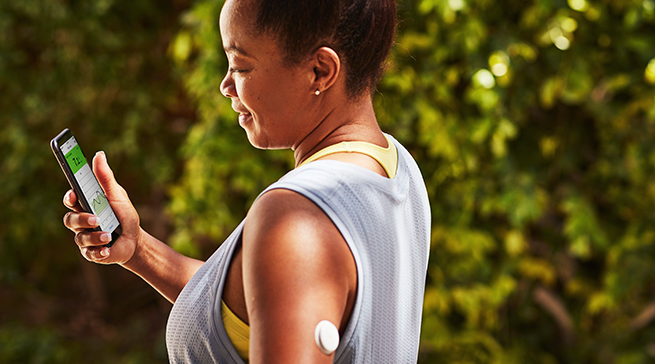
(86, 253)
(79, 240)
(93, 254)
(67, 219)
(90, 254)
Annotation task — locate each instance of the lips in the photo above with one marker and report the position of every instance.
(244, 117)
(244, 114)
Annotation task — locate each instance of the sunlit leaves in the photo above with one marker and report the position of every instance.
(485, 79)
(534, 125)
(579, 5)
(504, 132)
(480, 303)
(649, 74)
(180, 48)
(499, 63)
(538, 269)
(515, 243)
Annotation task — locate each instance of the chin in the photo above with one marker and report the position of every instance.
(257, 140)
(260, 141)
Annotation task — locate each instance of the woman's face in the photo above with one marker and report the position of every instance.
(273, 100)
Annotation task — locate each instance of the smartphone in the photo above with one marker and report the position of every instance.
(81, 178)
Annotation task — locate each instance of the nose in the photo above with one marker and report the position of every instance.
(227, 86)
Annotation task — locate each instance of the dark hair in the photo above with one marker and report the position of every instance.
(360, 31)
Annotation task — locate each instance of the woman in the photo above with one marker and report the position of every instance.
(344, 237)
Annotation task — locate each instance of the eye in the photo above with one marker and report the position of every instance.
(237, 70)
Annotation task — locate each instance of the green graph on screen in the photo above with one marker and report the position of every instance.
(99, 202)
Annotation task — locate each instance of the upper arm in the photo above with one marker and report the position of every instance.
(297, 271)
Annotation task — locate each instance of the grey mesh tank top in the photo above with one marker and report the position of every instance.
(386, 224)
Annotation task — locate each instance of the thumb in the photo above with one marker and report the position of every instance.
(105, 177)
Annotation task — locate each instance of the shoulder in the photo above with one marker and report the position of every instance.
(284, 207)
(287, 226)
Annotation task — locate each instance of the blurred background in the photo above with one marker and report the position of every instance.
(532, 121)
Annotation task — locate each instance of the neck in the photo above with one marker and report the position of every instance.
(353, 122)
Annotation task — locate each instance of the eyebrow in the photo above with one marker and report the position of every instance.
(236, 49)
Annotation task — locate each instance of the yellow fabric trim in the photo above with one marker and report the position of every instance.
(237, 330)
(387, 157)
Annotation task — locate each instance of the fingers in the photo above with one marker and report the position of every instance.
(91, 243)
(92, 239)
(70, 201)
(106, 178)
(78, 221)
(95, 254)
(116, 195)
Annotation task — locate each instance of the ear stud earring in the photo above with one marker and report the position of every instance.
(317, 92)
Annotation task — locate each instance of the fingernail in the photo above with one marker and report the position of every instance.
(104, 252)
(106, 237)
(102, 154)
(93, 220)
(68, 196)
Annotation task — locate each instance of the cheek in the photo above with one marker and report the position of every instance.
(261, 97)
(271, 93)
(250, 91)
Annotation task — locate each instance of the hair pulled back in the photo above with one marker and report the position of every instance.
(360, 31)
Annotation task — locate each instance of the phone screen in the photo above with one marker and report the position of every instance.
(93, 193)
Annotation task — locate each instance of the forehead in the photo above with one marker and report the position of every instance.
(237, 26)
(237, 19)
(240, 36)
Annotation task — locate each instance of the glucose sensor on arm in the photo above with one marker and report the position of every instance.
(326, 337)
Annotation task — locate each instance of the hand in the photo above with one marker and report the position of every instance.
(90, 242)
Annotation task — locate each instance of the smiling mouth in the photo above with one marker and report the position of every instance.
(244, 117)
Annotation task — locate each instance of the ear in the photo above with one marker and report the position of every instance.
(327, 66)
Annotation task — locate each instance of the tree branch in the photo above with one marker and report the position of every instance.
(644, 318)
(549, 301)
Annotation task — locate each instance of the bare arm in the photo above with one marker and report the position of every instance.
(297, 271)
(162, 267)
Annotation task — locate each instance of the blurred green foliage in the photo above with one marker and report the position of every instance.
(532, 121)
(99, 68)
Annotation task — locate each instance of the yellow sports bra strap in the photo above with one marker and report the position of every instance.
(387, 157)
(237, 330)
